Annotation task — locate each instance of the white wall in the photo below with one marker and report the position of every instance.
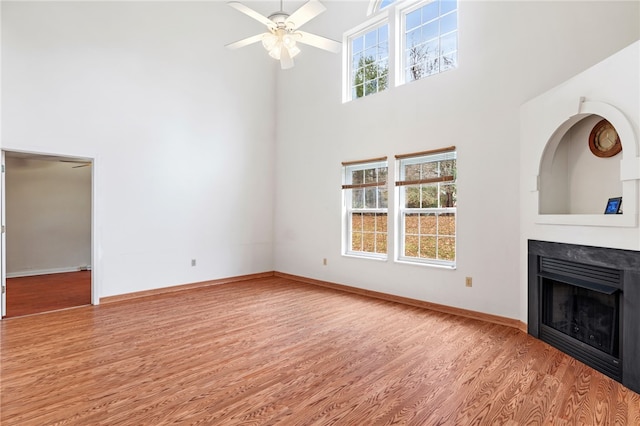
(508, 53)
(181, 130)
(48, 216)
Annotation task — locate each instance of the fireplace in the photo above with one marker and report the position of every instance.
(585, 301)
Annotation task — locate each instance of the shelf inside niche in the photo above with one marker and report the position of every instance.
(603, 220)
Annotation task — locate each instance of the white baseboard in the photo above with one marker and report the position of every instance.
(34, 272)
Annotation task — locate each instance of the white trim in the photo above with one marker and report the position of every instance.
(95, 222)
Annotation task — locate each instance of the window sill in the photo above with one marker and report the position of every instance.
(429, 265)
(366, 257)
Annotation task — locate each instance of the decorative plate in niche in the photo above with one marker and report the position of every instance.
(604, 140)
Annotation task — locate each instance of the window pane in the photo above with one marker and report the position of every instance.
(381, 243)
(412, 197)
(369, 242)
(382, 174)
(411, 221)
(370, 175)
(428, 247)
(431, 30)
(381, 223)
(431, 50)
(429, 195)
(448, 195)
(383, 33)
(413, 20)
(371, 87)
(430, 170)
(447, 6)
(449, 61)
(383, 197)
(383, 51)
(357, 176)
(370, 39)
(447, 248)
(358, 91)
(357, 44)
(447, 224)
(356, 241)
(369, 222)
(356, 221)
(358, 61)
(449, 43)
(412, 172)
(370, 198)
(414, 37)
(357, 198)
(430, 11)
(449, 23)
(428, 224)
(411, 245)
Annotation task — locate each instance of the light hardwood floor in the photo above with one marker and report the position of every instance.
(276, 351)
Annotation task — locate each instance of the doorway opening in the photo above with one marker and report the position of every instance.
(47, 240)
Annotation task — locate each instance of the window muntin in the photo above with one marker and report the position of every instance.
(369, 65)
(366, 203)
(430, 38)
(427, 207)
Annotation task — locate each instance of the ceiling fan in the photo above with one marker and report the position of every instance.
(284, 32)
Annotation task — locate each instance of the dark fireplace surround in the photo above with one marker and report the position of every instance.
(598, 288)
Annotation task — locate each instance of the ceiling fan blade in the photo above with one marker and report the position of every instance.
(286, 61)
(305, 13)
(252, 13)
(244, 42)
(318, 41)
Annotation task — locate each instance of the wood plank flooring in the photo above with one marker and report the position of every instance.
(43, 293)
(275, 351)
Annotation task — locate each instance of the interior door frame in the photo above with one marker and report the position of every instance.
(95, 296)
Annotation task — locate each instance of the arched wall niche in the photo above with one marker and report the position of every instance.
(574, 185)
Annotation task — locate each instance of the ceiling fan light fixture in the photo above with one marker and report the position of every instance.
(276, 52)
(269, 41)
(281, 42)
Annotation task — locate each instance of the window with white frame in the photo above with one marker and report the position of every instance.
(430, 38)
(365, 196)
(369, 68)
(427, 200)
(425, 33)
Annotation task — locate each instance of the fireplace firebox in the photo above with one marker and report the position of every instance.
(585, 301)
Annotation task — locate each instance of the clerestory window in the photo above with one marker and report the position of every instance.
(370, 61)
(402, 42)
(430, 38)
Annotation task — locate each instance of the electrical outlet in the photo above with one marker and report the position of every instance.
(193, 262)
(468, 281)
(324, 261)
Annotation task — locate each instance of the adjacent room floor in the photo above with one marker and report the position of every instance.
(44, 293)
